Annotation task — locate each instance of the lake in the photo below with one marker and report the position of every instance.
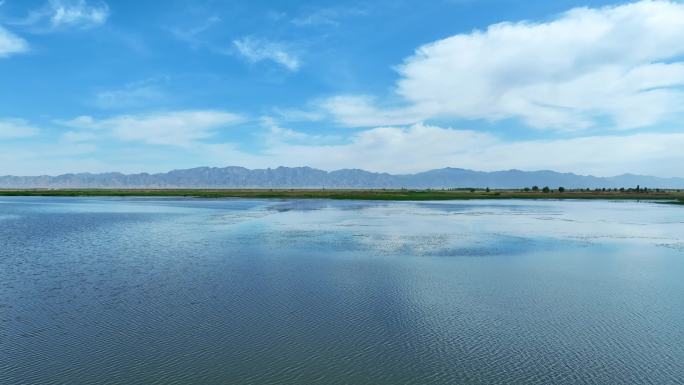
(187, 291)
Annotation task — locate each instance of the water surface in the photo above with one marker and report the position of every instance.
(184, 291)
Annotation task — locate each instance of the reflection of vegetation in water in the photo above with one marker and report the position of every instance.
(379, 194)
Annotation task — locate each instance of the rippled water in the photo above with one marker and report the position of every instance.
(174, 291)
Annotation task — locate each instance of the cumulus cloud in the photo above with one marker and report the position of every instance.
(256, 50)
(10, 43)
(16, 128)
(177, 128)
(618, 64)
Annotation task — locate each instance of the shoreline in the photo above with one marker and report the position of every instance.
(389, 195)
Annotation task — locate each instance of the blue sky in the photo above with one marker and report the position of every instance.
(591, 87)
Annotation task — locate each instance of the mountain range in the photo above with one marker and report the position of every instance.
(306, 177)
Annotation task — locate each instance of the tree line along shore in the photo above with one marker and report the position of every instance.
(533, 192)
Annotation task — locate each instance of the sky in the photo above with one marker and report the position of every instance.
(399, 86)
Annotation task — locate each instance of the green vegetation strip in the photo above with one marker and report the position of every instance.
(395, 195)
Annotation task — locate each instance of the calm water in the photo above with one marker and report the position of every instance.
(172, 291)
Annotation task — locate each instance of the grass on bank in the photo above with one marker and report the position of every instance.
(377, 194)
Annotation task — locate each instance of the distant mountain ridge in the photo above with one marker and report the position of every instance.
(307, 177)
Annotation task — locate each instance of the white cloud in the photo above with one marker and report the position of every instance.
(178, 128)
(138, 94)
(422, 147)
(330, 16)
(256, 50)
(16, 128)
(78, 13)
(10, 43)
(78, 137)
(193, 36)
(61, 14)
(299, 115)
(606, 155)
(618, 64)
(47, 159)
(361, 111)
(277, 135)
(385, 149)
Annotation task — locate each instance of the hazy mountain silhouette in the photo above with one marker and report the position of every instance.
(306, 177)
